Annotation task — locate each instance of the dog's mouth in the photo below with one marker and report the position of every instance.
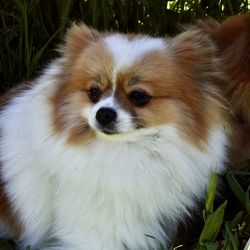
(109, 131)
(114, 129)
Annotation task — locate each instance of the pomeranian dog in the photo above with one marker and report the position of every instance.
(114, 143)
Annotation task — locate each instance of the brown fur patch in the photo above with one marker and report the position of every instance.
(67, 117)
(91, 67)
(232, 38)
(78, 37)
(6, 213)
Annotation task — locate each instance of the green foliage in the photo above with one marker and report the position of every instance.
(218, 233)
(213, 220)
(212, 226)
(30, 29)
(211, 193)
(242, 196)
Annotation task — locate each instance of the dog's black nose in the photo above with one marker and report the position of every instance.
(105, 116)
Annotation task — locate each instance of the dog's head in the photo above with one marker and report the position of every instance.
(115, 85)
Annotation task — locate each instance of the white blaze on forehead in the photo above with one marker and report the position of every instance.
(126, 51)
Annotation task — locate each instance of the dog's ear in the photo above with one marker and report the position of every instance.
(194, 50)
(78, 37)
(209, 25)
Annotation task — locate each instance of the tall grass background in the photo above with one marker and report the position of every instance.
(30, 31)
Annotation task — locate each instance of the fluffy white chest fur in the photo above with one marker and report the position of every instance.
(107, 194)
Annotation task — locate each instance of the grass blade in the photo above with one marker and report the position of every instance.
(211, 193)
(236, 221)
(38, 55)
(212, 225)
(236, 188)
(232, 238)
(247, 200)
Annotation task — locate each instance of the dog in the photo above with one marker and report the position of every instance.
(115, 142)
(232, 40)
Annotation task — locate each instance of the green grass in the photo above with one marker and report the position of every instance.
(221, 233)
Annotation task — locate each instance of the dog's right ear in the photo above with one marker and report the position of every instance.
(78, 37)
(209, 26)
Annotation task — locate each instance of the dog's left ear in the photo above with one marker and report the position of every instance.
(194, 51)
(78, 37)
(209, 25)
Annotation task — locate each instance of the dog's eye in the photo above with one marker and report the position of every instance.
(94, 94)
(138, 98)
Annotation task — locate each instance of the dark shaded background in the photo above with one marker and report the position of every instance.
(31, 29)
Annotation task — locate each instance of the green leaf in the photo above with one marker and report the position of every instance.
(211, 246)
(64, 8)
(240, 173)
(233, 239)
(236, 188)
(38, 55)
(212, 225)
(211, 193)
(236, 220)
(247, 200)
(230, 7)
